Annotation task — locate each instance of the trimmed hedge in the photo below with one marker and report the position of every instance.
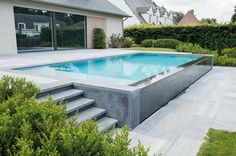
(99, 38)
(214, 37)
(161, 43)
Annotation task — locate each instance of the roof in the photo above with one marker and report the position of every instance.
(102, 6)
(143, 9)
(189, 18)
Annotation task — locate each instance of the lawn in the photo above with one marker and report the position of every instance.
(151, 49)
(219, 143)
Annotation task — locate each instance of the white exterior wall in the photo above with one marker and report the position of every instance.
(114, 26)
(113, 23)
(7, 29)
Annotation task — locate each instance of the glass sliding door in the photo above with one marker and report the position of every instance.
(71, 32)
(41, 30)
(33, 29)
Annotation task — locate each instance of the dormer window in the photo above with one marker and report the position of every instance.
(21, 26)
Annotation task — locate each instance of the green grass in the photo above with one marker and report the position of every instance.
(151, 49)
(219, 143)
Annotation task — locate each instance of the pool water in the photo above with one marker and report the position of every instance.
(124, 69)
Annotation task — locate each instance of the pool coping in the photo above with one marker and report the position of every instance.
(129, 87)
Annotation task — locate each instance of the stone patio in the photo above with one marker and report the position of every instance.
(179, 128)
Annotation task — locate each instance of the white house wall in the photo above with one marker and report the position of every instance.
(8, 45)
(7, 29)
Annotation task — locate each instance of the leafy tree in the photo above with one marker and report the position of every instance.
(209, 21)
(177, 16)
(233, 19)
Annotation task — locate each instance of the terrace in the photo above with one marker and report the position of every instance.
(179, 127)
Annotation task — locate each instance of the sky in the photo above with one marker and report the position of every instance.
(222, 10)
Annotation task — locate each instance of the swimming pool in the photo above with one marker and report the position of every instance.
(124, 69)
(133, 86)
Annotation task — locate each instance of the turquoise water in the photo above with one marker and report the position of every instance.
(123, 69)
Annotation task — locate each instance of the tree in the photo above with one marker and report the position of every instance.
(177, 16)
(209, 21)
(233, 19)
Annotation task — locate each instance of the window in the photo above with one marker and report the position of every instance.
(48, 30)
(21, 26)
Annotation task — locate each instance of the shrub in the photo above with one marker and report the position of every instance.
(118, 41)
(213, 37)
(99, 38)
(148, 43)
(127, 42)
(115, 41)
(28, 127)
(226, 61)
(11, 86)
(230, 52)
(166, 43)
(196, 49)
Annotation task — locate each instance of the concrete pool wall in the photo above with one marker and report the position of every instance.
(135, 103)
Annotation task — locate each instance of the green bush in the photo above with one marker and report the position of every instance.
(28, 127)
(118, 41)
(230, 52)
(226, 61)
(99, 38)
(127, 42)
(214, 37)
(148, 43)
(196, 49)
(11, 86)
(166, 43)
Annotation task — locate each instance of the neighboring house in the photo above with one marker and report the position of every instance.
(144, 12)
(31, 25)
(22, 22)
(189, 19)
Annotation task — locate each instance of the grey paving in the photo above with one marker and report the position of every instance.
(91, 113)
(77, 104)
(64, 95)
(179, 128)
(106, 123)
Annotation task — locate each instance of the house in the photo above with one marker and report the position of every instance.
(144, 12)
(39, 25)
(189, 19)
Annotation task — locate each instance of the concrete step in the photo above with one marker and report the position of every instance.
(105, 123)
(77, 104)
(91, 113)
(54, 87)
(63, 95)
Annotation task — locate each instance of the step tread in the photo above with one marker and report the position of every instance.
(90, 113)
(78, 104)
(59, 96)
(106, 123)
(53, 86)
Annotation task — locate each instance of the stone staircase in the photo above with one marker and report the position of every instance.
(77, 105)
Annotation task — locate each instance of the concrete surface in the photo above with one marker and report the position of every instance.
(179, 128)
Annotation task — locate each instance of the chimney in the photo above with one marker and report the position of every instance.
(192, 11)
